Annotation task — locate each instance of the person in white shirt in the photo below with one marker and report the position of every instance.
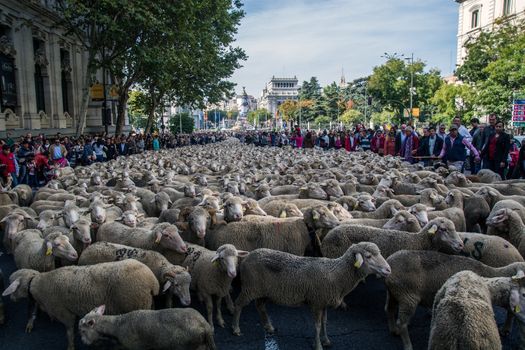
(462, 130)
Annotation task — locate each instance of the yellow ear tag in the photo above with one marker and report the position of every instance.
(517, 309)
(216, 263)
(157, 240)
(282, 215)
(433, 230)
(49, 251)
(356, 205)
(358, 263)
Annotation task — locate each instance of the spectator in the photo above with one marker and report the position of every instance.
(99, 149)
(57, 153)
(308, 140)
(23, 154)
(410, 145)
(400, 139)
(496, 151)
(430, 146)
(442, 132)
(519, 169)
(123, 148)
(477, 142)
(112, 151)
(7, 162)
(156, 143)
(487, 133)
(453, 151)
(31, 172)
(337, 142)
(462, 130)
(364, 140)
(378, 143)
(390, 143)
(299, 139)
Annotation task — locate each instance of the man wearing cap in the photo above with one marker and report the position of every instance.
(454, 152)
(462, 130)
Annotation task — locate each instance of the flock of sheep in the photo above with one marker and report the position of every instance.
(109, 243)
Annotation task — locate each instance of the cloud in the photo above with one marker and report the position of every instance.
(307, 38)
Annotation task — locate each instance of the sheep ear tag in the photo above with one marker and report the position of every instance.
(49, 250)
(358, 260)
(315, 215)
(517, 309)
(433, 230)
(283, 215)
(159, 236)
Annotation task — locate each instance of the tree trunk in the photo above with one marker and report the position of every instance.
(82, 113)
(121, 114)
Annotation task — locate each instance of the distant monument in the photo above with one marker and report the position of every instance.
(245, 105)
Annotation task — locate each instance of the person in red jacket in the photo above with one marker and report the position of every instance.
(378, 143)
(7, 161)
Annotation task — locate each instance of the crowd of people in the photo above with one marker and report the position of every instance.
(481, 146)
(30, 159)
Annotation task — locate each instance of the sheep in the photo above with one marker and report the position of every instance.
(385, 210)
(212, 273)
(198, 221)
(282, 209)
(25, 195)
(73, 291)
(492, 196)
(437, 234)
(169, 215)
(39, 253)
(291, 280)
(455, 214)
(417, 276)
(291, 235)
(509, 221)
(2, 316)
(475, 209)
(14, 223)
(48, 218)
(101, 212)
(163, 236)
(506, 203)
(174, 279)
(401, 221)
(462, 314)
(183, 329)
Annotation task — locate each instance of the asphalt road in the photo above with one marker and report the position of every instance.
(363, 326)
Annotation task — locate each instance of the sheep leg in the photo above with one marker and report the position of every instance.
(220, 320)
(406, 311)
(70, 330)
(507, 327)
(241, 301)
(33, 309)
(229, 303)
(318, 319)
(168, 301)
(260, 304)
(390, 309)
(209, 308)
(324, 333)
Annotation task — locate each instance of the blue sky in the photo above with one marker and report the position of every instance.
(307, 38)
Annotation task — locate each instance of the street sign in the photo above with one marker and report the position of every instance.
(518, 111)
(97, 92)
(415, 112)
(113, 93)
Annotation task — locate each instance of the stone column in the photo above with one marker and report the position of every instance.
(55, 82)
(23, 41)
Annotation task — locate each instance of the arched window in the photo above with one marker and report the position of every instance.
(38, 47)
(507, 7)
(474, 23)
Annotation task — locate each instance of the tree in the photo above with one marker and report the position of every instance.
(390, 83)
(183, 119)
(494, 67)
(259, 115)
(322, 120)
(453, 100)
(383, 117)
(330, 101)
(288, 110)
(176, 48)
(137, 109)
(351, 116)
(310, 100)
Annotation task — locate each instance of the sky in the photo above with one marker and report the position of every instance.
(306, 38)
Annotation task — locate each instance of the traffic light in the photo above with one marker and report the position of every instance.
(369, 100)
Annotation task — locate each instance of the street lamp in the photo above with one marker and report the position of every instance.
(412, 90)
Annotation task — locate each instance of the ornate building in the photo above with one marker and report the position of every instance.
(478, 15)
(41, 72)
(277, 91)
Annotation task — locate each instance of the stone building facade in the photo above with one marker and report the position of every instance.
(480, 15)
(41, 72)
(277, 91)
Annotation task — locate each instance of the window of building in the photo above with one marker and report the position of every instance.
(507, 7)
(8, 96)
(474, 23)
(39, 80)
(65, 80)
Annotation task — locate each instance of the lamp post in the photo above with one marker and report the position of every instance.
(412, 90)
